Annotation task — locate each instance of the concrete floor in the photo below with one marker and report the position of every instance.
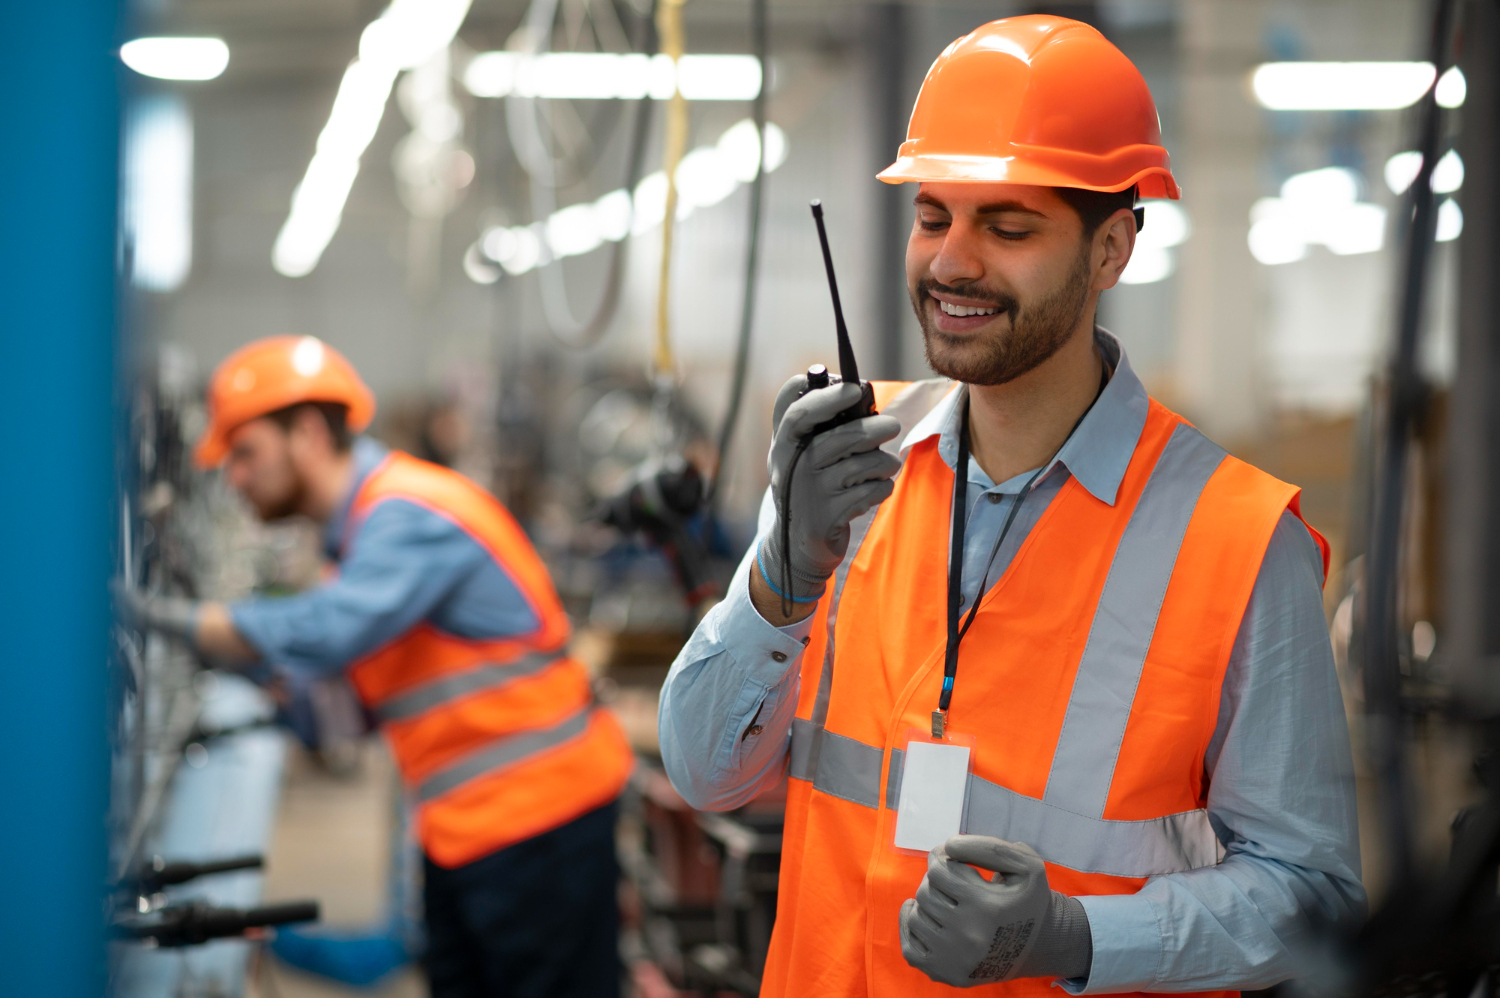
(332, 842)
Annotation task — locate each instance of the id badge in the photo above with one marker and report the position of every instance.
(931, 805)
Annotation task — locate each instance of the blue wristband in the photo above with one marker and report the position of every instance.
(766, 577)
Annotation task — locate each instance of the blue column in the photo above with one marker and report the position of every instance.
(58, 181)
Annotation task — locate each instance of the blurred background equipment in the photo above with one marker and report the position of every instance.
(573, 263)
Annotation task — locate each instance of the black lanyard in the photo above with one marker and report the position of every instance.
(956, 551)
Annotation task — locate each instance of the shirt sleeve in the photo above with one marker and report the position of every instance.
(405, 564)
(725, 718)
(1281, 798)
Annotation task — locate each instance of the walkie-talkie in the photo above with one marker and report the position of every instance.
(817, 375)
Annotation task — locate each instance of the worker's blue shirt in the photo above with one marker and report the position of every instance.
(401, 566)
(1280, 773)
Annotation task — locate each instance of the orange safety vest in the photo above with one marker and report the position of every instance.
(1091, 679)
(498, 740)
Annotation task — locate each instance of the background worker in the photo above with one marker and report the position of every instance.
(446, 623)
(1131, 646)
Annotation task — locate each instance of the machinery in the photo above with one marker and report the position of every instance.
(196, 762)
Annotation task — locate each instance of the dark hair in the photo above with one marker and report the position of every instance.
(1094, 207)
(335, 414)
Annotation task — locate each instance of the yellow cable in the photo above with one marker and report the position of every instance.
(669, 28)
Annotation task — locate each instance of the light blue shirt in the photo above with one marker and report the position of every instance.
(402, 565)
(1280, 774)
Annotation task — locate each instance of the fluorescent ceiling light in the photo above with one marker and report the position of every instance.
(1401, 170)
(612, 76)
(158, 194)
(1167, 225)
(1319, 207)
(706, 176)
(1452, 88)
(1341, 86)
(407, 34)
(1148, 264)
(1450, 221)
(176, 58)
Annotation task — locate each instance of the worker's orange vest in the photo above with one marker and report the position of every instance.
(1090, 678)
(499, 741)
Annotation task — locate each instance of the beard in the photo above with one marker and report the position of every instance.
(285, 498)
(283, 507)
(1037, 331)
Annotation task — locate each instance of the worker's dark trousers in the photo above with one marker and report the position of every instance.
(539, 919)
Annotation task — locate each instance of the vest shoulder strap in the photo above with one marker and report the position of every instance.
(909, 401)
(462, 501)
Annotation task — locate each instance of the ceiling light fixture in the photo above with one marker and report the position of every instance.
(612, 76)
(176, 58)
(1342, 86)
(406, 35)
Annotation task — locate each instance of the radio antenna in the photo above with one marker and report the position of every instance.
(848, 367)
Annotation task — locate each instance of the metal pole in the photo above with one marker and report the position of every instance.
(58, 183)
(889, 25)
(1385, 714)
(1471, 629)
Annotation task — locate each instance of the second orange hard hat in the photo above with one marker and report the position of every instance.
(274, 373)
(1038, 100)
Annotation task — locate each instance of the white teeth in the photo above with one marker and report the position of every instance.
(964, 309)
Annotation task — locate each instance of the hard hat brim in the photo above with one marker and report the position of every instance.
(211, 449)
(1152, 181)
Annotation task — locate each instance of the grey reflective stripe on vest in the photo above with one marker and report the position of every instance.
(421, 699)
(503, 752)
(1115, 656)
(1173, 844)
(850, 770)
(836, 764)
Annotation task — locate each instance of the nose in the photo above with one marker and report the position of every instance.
(959, 260)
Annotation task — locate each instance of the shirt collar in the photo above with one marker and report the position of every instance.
(1100, 449)
(367, 453)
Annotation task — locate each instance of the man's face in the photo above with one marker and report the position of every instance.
(261, 468)
(1000, 277)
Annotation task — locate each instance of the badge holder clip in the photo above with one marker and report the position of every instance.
(933, 802)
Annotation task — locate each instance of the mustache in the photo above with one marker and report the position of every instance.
(1007, 303)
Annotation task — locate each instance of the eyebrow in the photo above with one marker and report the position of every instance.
(996, 208)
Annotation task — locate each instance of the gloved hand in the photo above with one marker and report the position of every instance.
(171, 615)
(962, 929)
(842, 473)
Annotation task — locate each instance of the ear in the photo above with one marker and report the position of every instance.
(1114, 242)
(310, 427)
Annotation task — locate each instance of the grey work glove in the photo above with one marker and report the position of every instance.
(842, 473)
(171, 615)
(962, 929)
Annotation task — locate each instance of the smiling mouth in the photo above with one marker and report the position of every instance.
(966, 310)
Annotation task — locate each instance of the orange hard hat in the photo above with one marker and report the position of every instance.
(1036, 100)
(271, 374)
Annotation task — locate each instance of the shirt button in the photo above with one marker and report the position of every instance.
(995, 497)
(778, 656)
(805, 641)
(754, 729)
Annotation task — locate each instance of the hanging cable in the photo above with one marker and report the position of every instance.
(1404, 403)
(760, 39)
(669, 31)
(540, 163)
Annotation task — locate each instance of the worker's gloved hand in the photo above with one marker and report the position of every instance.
(841, 474)
(963, 929)
(171, 615)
